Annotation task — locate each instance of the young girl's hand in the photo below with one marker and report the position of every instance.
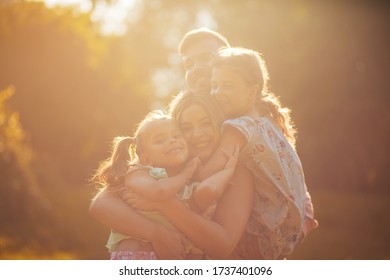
(232, 158)
(138, 202)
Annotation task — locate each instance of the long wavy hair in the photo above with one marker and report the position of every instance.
(186, 98)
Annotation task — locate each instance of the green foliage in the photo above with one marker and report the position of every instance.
(76, 89)
(17, 181)
(23, 206)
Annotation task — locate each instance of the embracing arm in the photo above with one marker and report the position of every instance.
(154, 189)
(113, 212)
(220, 236)
(213, 187)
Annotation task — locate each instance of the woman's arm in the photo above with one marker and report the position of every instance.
(154, 189)
(114, 213)
(219, 236)
(212, 188)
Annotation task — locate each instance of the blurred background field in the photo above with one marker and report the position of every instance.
(74, 76)
(353, 226)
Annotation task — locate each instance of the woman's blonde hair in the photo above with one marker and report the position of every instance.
(251, 66)
(186, 98)
(124, 151)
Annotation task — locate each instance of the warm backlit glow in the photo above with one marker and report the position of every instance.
(111, 17)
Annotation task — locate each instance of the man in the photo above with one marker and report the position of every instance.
(198, 49)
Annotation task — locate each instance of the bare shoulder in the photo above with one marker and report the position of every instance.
(136, 173)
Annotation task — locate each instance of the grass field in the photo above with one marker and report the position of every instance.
(353, 225)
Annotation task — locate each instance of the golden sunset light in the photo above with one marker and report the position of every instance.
(76, 74)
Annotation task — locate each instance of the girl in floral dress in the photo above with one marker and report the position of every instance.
(282, 212)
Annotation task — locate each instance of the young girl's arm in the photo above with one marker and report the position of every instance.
(212, 188)
(140, 182)
(231, 137)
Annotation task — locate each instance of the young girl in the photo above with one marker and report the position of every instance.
(282, 213)
(156, 168)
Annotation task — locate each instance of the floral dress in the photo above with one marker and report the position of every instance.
(281, 203)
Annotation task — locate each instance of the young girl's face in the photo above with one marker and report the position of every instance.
(197, 128)
(163, 145)
(235, 96)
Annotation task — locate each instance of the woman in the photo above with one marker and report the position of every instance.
(200, 120)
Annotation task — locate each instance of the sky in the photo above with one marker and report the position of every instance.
(111, 17)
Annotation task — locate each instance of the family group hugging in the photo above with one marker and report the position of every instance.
(216, 175)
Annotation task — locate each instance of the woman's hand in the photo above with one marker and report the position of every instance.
(169, 244)
(139, 202)
(232, 158)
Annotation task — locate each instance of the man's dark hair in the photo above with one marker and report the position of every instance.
(201, 34)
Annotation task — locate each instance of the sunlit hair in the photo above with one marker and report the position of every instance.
(124, 151)
(199, 35)
(251, 66)
(187, 98)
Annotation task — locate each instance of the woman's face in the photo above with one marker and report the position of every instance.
(197, 128)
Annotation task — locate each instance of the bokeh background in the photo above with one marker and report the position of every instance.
(75, 74)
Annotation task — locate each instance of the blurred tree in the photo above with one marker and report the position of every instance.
(23, 207)
(76, 89)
